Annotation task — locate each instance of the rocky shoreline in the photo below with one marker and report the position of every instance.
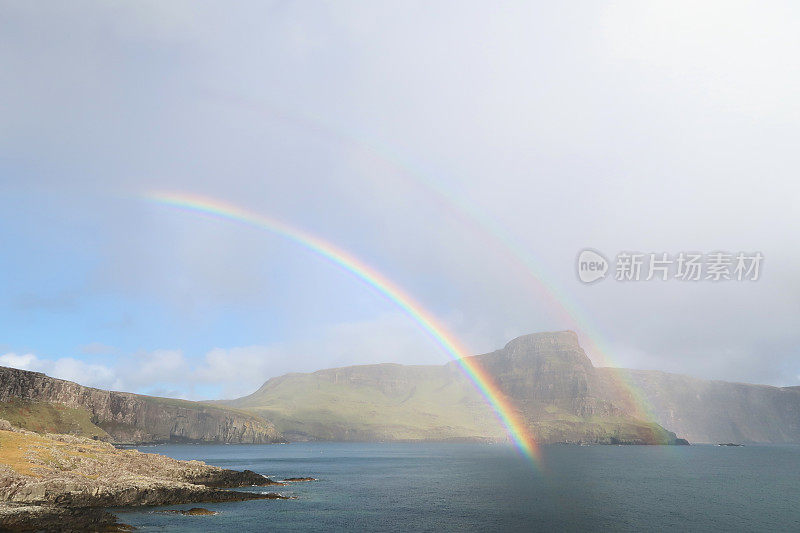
(66, 483)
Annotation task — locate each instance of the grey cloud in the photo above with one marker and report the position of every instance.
(394, 132)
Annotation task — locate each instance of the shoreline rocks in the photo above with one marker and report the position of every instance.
(194, 511)
(66, 483)
(225, 478)
(24, 517)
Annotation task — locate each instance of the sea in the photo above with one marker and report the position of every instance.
(486, 487)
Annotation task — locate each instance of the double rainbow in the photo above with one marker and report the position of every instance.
(507, 414)
(480, 224)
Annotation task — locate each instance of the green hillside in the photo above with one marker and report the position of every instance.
(375, 402)
(44, 417)
(548, 378)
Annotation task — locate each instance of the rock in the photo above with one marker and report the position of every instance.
(198, 511)
(298, 479)
(56, 518)
(54, 479)
(275, 496)
(132, 418)
(224, 478)
(194, 511)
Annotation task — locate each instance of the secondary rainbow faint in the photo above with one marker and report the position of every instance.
(480, 225)
(508, 415)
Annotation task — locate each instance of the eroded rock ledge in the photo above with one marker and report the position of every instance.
(64, 483)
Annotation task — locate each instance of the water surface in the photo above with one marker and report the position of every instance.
(479, 487)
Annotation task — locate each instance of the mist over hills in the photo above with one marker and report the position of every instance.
(547, 377)
(717, 411)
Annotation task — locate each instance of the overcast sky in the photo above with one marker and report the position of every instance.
(467, 151)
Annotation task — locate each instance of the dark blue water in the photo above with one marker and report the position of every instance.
(475, 487)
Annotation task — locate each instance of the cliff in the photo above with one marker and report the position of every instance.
(714, 411)
(123, 417)
(551, 381)
(547, 376)
(559, 393)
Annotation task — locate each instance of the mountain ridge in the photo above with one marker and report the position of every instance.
(559, 392)
(556, 390)
(547, 376)
(123, 416)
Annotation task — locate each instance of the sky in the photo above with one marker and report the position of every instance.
(467, 151)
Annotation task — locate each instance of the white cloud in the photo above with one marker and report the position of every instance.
(92, 375)
(27, 361)
(388, 338)
(88, 374)
(146, 372)
(157, 366)
(240, 370)
(688, 106)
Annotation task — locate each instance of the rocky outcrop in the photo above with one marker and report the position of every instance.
(225, 478)
(194, 511)
(23, 517)
(552, 383)
(133, 418)
(62, 482)
(547, 370)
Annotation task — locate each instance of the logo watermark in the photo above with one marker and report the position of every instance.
(592, 266)
(684, 266)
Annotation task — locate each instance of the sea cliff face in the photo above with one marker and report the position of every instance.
(715, 411)
(134, 418)
(561, 396)
(548, 370)
(547, 376)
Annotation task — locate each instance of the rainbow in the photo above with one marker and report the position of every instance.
(505, 411)
(495, 235)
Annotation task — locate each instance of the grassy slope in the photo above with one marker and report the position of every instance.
(439, 406)
(32, 455)
(15, 450)
(43, 417)
(392, 402)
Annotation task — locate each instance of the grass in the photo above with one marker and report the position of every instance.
(412, 409)
(379, 402)
(28, 453)
(44, 417)
(14, 451)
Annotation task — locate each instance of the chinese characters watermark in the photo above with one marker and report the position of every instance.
(683, 266)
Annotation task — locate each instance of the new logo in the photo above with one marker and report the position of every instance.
(591, 266)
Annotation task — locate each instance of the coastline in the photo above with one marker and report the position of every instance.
(60, 482)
